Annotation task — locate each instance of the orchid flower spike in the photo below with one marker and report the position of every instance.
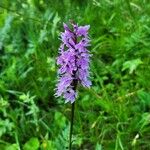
(73, 61)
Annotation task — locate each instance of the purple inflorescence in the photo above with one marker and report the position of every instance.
(73, 60)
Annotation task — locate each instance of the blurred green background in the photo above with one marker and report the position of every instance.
(114, 114)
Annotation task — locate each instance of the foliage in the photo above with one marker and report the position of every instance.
(112, 115)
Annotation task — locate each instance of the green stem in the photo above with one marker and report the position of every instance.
(17, 140)
(71, 125)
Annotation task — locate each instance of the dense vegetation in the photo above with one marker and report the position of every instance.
(114, 114)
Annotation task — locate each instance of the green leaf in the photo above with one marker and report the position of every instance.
(32, 144)
(144, 97)
(5, 125)
(131, 65)
(145, 120)
(11, 147)
(98, 147)
(60, 119)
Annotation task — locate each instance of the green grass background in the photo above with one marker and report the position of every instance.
(114, 114)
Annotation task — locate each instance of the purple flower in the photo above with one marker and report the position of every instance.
(73, 60)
